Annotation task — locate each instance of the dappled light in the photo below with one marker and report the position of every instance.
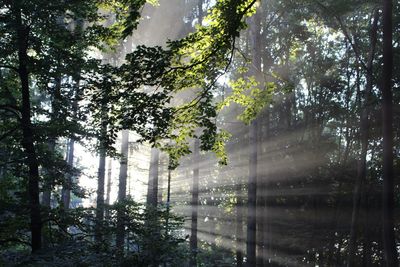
(199, 133)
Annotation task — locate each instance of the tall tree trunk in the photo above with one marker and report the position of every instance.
(389, 241)
(100, 182)
(27, 132)
(364, 136)
(123, 173)
(161, 179)
(168, 195)
(260, 211)
(195, 186)
(109, 182)
(267, 184)
(48, 184)
(152, 188)
(195, 204)
(251, 196)
(239, 226)
(66, 191)
(255, 29)
(51, 144)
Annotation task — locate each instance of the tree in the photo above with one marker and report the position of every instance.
(364, 125)
(152, 188)
(26, 124)
(33, 51)
(194, 204)
(123, 173)
(391, 257)
(253, 147)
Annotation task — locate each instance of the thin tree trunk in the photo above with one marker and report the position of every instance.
(266, 220)
(51, 144)
(168, 196)
(195, 204)
(364, 135)
(27, 132)
(367, 257)
(66, 191)
(239, 226)
(251, 196)
(46, 196)
(100, 182)
(161, 180)
(260, 213)
(255, 28)
(48, 184)
(123, 173)
(109, 183)
(152, 188)
(195, 186)
(389, 241)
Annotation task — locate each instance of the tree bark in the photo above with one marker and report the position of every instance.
(109, 182)
(195, 186)
(66, 191)
(100, 183)
(389, 241)
(27, 131)
(255, 29)
(123, 173)
(51, 144)
(152, 188)
(48, 184)
(161, 180)
(239, 226)
(195, 204)
(251, 197)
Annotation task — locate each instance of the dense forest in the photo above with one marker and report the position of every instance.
(199, 133)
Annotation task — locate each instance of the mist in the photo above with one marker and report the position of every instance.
(199, 133)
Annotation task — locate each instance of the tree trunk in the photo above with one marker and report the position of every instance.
(27, 132)
(239, 226)
(364, 136)
(66, 191)
(123, 173)
(255, 28)
(48, 184)
(260, 213)
(251, 196)
(109, 182)
(152, 188)
(100, 183)
(389, 241)
(195, 186)
(161, 180)
(168, 195)
(194, 204)
(51, 144)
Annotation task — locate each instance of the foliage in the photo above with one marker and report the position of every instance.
(246, 92)
(150, 240)
(195, 61)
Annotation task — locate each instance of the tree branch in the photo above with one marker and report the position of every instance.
(9, 67)
(346, 34)
(13, 109)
